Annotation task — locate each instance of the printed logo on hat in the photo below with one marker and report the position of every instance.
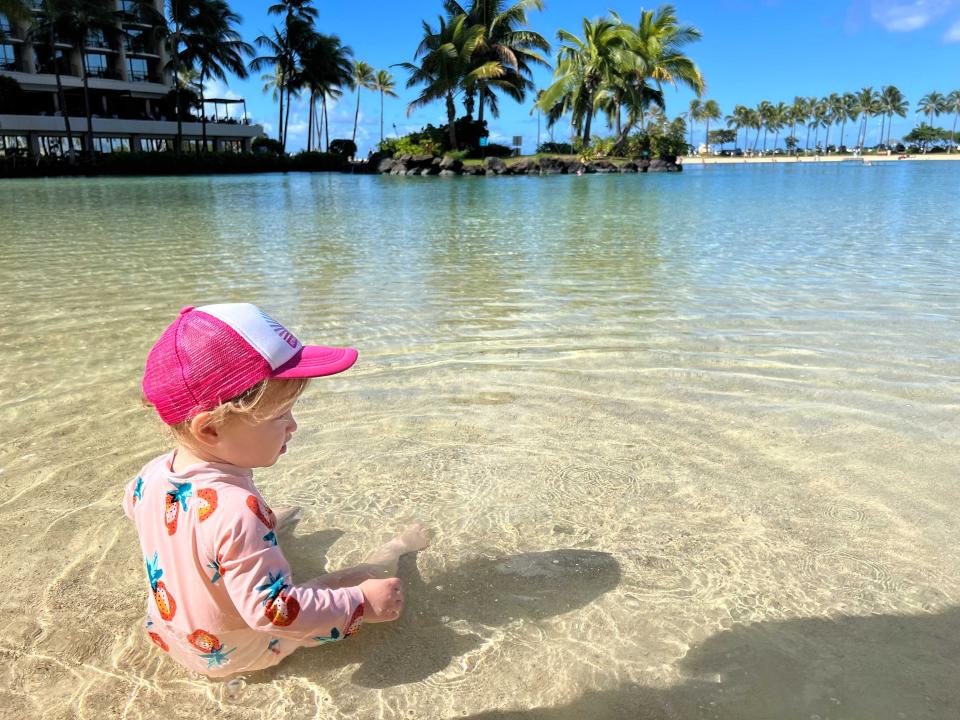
(268, 337)
(280, 329)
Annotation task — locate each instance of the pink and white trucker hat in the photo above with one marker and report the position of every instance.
(213, 353)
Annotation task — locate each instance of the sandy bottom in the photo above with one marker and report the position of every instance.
(699, 471)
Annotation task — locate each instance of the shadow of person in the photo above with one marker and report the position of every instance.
(877, 667)
(307, 553)
(491, 592)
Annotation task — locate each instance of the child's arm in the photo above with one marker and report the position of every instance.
(131, 495)
(256, 576)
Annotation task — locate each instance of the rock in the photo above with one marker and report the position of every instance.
(643, 165)
(528, 166)
(385, 165)
(405, 158)
(659, 165)
(449, 163)
(447, 173)
(629, 167)
(398, 169)
(575, 166)
(420, 161)
(494, 165)
(436, 162)
(604, 166)
(552, 166)
(474, 170)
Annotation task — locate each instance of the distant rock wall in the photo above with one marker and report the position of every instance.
(429, 165)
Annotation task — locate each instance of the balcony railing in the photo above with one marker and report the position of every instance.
(105, 73)
(8, 66)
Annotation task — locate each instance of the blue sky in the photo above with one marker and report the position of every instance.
(752, 50)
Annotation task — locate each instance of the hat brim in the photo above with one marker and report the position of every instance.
(316, 361)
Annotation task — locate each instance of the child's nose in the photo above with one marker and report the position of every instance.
(292, 425)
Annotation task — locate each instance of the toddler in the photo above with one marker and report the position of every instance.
(222, 599)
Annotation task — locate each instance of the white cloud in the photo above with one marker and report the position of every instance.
(909, 15)
(953, 34)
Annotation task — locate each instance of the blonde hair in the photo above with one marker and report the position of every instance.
(268, 398)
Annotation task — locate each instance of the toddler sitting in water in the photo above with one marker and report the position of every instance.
(222, 599)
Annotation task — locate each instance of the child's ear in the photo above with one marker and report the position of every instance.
(203, 430)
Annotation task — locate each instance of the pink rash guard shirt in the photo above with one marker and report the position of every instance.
(221, 598)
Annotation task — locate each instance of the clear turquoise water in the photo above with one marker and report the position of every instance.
(688, 443)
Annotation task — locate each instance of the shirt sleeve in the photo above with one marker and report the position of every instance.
(257, 578)
(131, 495)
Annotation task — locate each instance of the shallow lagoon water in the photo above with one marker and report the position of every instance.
(689, 444)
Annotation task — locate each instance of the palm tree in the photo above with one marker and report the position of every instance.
(866, 106)
(326, 67)
(361, 78)
(52, 15)
(710, 111)
(179, 12)
(77, 19)
(892, 102)
(819, 117)
(383, 83)
(284, 50)
(446, 66)
(763, 112)
(506, 41)
(776, 119)
(655, 57)
(953, 105)
(212, 44)
(798, 114)
(835, 112)
(584, 68)
(931, 105)
(695, 115)
(735, 121)
(299, 17)
(849, 110)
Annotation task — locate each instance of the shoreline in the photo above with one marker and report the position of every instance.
(699, 160)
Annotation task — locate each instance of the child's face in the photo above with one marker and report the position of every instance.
(251, 444)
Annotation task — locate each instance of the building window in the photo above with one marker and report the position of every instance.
(135, 40)
(46, 65)
(13, 145)
(4, 25)
(128, 6)
(97, 39)
(111, 145)
(139, 70)
(96, 64)
(8, 57)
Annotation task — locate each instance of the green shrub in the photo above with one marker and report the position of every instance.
(266, 145)
(491, 150)
(556, 148)
(344, 147)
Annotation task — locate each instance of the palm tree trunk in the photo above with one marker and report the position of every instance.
(326, 120)
(706, 136)
(178, 141)
(86, 107)
(286, 124)
(381, 117)
(776, 139)
(283, 82)
(618, 118)
(806, 147)
(883, 125)
(953, 134)
(318, 121)
(61, 100)
(310, 125)
(480, 101)
(843, 127)
(826, 143)
(452, 116)
(356, 117)
(764, 140)
(203, 115)
(889, 129)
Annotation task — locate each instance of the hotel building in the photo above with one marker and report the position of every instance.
(129, 89)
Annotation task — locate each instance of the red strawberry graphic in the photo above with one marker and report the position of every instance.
(204, 641)
(206, 502)
(166, 605)
(355, 621)
(158, 641)
(263, 512)
(279, 607)
(173, 500)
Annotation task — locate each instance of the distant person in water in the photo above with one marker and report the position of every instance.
(221, 599)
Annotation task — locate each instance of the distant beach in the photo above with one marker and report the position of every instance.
(717, 160)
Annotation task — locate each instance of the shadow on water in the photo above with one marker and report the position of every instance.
(491, 592)
(876, 667)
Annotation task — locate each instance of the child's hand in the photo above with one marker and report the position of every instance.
(383, 599)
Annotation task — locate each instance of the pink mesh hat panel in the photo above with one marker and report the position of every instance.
(211, 354)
